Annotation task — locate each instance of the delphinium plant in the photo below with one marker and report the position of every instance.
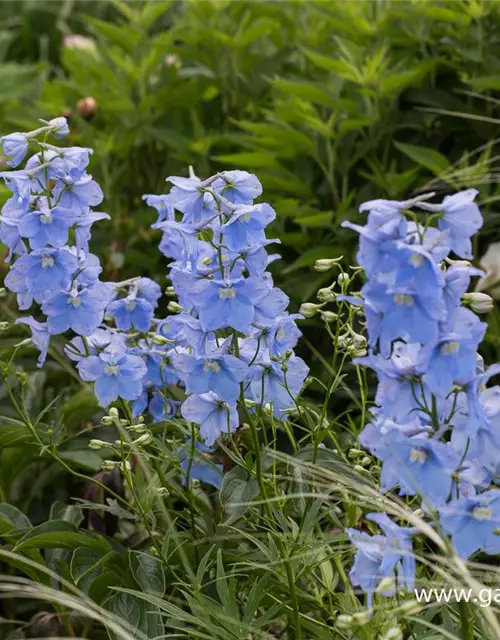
(434, 426)
(221, 362)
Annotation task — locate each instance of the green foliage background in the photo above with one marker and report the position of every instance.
(330, 103)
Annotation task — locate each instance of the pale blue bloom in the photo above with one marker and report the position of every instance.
(15, 147)
(214, 416)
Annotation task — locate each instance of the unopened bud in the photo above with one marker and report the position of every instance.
(268, 408)
(98, 444)
(160, 340)
(173, 306)
(5, 325)
(326, 295)
(86, 107)
(479, 302)
(325, 264)
(344, 621)
(3, 292)
(137, 428)
(249, 404)
(393, 634)
(365, 462)
(125, 466)
(163, 491)
(207, 261)
(343, 279)
(410, 608)
(107, 421)
(109, 465)
(362, 617)
(309, 309)
(329, 316)
(114, 413)
(387, 584)
(170, 291)
(143, 440)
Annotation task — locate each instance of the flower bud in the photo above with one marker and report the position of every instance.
(343, 279)
(479, 302)
(5, 325)
(170, 291)
(160, 340)
(163, 492)
(86, 107)
(329, 316)
(3, 292)
(410, 608)
(143, 440)
(109, 465)
(344, 621)
(325, 264)
(137, 428)
(309, 309)
(175, 307)
(107, 421)
(125, 466)
(326, 295)
(98, 444)
(394, 633)
(387, 584)
(114, 413)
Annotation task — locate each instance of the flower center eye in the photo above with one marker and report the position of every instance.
(76, 301)
(449, 348)
(112, 370)
(212, 366)
(227, 293)
(47, 261)
(280, 334)
(482, 513)
(403, 300)
(417, 455)
(245, 217)
(46, 218)
(416, 260)
(130, 305)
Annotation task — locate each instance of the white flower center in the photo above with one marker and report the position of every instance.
(112, 370)
(131, 305)
(482, 513)
(211, 365)
(227, 293)
(403, 300)
(47, 261)
(46, 218)
(417, 455)
(416, 260)
(280, 334)
(449, 348)
(76, 301)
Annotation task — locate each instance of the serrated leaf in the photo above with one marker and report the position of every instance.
(425, 157)
(148, 572)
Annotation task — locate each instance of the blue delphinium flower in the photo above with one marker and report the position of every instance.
(201, 467)
(473, 523)
(212, 414)
(383, 556)
(115, 374)
(40, 336)
(15, 147)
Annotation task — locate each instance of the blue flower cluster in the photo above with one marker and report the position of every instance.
(435, 427)
(231, 345)
(233, 337)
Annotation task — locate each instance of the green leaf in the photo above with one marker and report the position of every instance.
(338, 66)
(320, 219)
(11, 518)
(485, 82)
(425, 157)
(305, 90)
(148, 572)
(59, 534)
(308, 258)
(249, 159)
(237, 491)
(84, 561)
